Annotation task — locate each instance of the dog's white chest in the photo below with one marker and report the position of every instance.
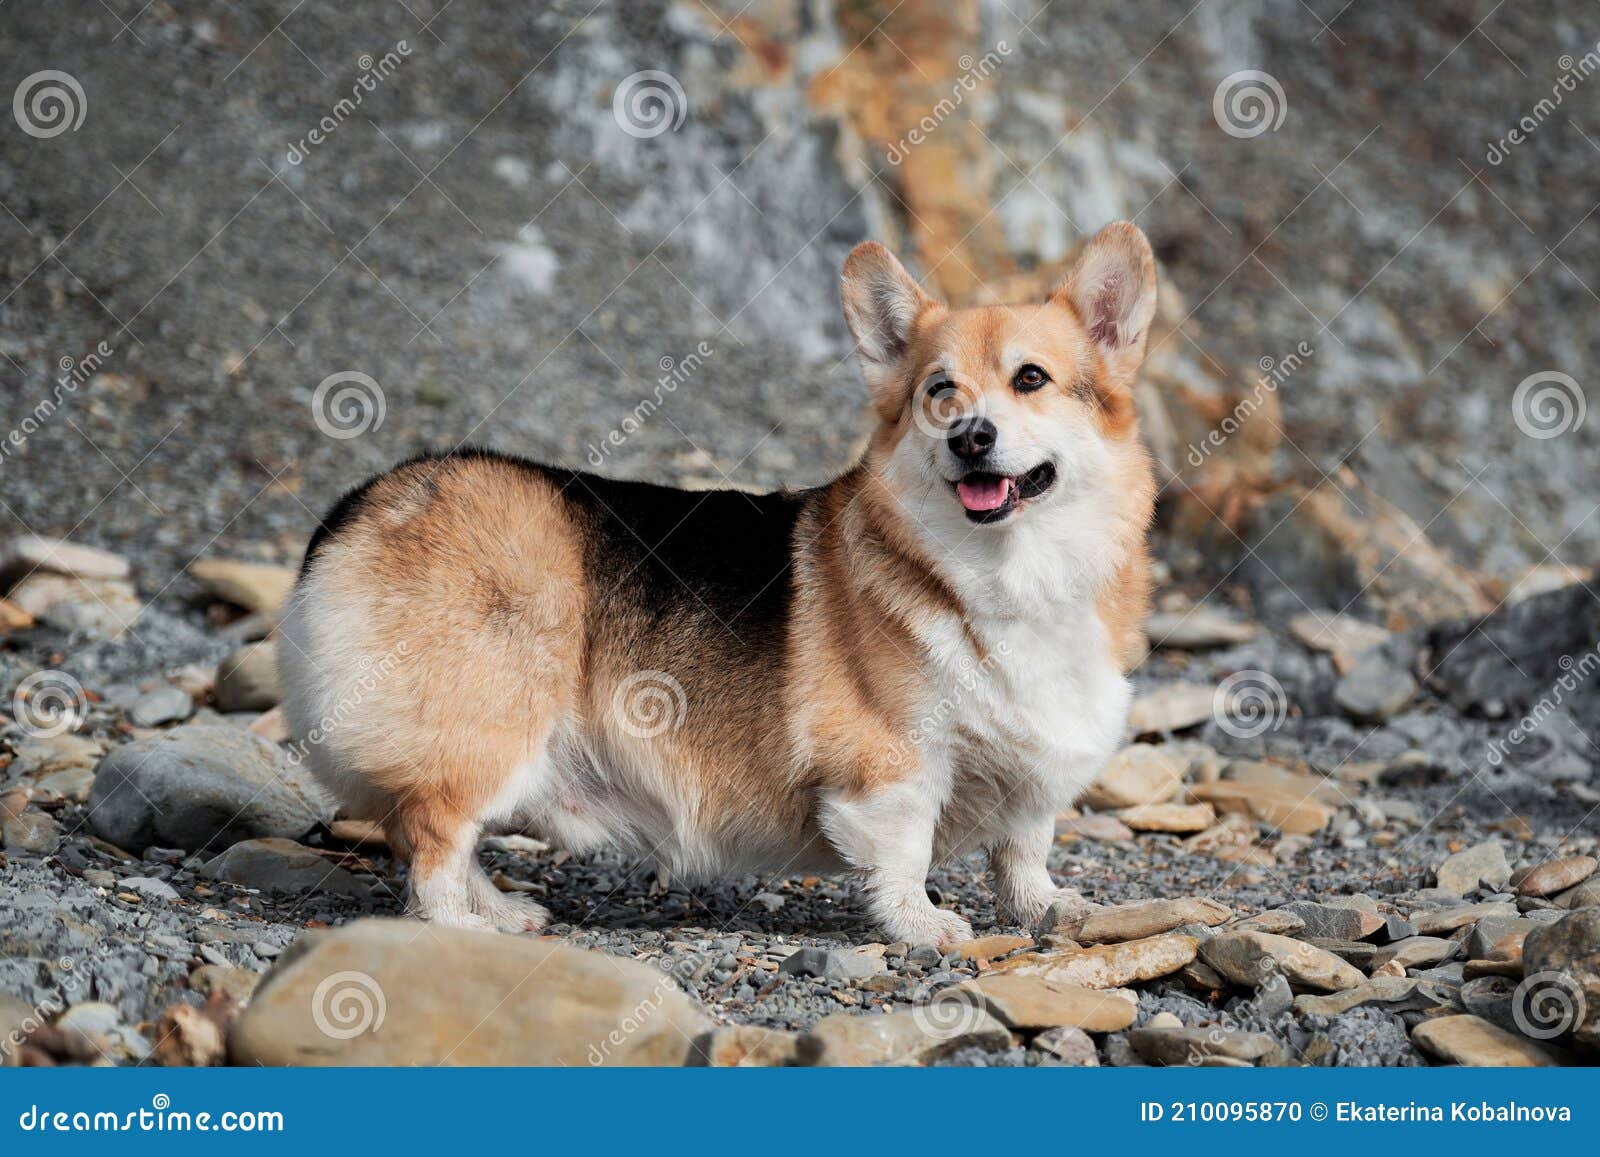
(1035, 717)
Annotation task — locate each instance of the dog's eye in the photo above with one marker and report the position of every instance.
(1029, 377)
(940, 386)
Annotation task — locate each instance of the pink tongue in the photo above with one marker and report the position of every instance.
(986, 492)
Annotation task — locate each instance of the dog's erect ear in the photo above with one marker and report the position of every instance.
(1113, 289)
(882, 305)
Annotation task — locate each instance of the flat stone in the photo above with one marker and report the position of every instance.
(1069, 1046)
(1491, 930)
(1169, 817)
(1471, 1040)
(247, 680)
(832, 963)
(1172, 707)
(747, 1046)
(1418, 951)
(1570, 948)
(1106, 965)
(912, 1037)
(1335, 922)
(256, 587)
(1391, 993)
(98, 608)
(13, 617)
(1481, 865)
(33, 832)
(201, 785)
(1374, 689)
(1141, 773)
(1203, 1046)
(1557, 876)
(149, 887)
(39, 756)
(163, 705)
(238, 983)
(1443, 921)
(74, 783)
(1356, 952)
(1286, 781)
(1198, 628)
(987, 947)
(1249, 958)
(1341, 636)
(1145, 918)
(279, 865)
(1095, 826)
(1032, 1003)
(1275, 921)
(402, 992)
(1293, 814)
(23, 554)
(1585, 895)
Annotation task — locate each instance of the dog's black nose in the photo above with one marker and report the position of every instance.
(972, 438)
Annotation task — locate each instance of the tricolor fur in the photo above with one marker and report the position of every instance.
(922, 658)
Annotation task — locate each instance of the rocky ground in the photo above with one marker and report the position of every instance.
(1326, 843)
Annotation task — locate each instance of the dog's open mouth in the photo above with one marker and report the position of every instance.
(994, 497)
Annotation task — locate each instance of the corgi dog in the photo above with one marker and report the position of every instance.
(923, 658)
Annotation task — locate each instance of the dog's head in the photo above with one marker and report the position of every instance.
(992, 417)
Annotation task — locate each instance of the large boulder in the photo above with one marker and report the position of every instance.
(1562, 964)
(201, 786)
(400, 992)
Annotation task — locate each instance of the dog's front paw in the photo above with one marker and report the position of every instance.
(928, 925)
(1027, 911)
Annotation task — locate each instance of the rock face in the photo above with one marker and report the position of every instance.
(1107, 965)
(1464, 871)
(898, 1038)
(279, 865)
(200, 786)
(1032, 1003)
(1471, 1040)
(1249, 959)
(399, 992)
